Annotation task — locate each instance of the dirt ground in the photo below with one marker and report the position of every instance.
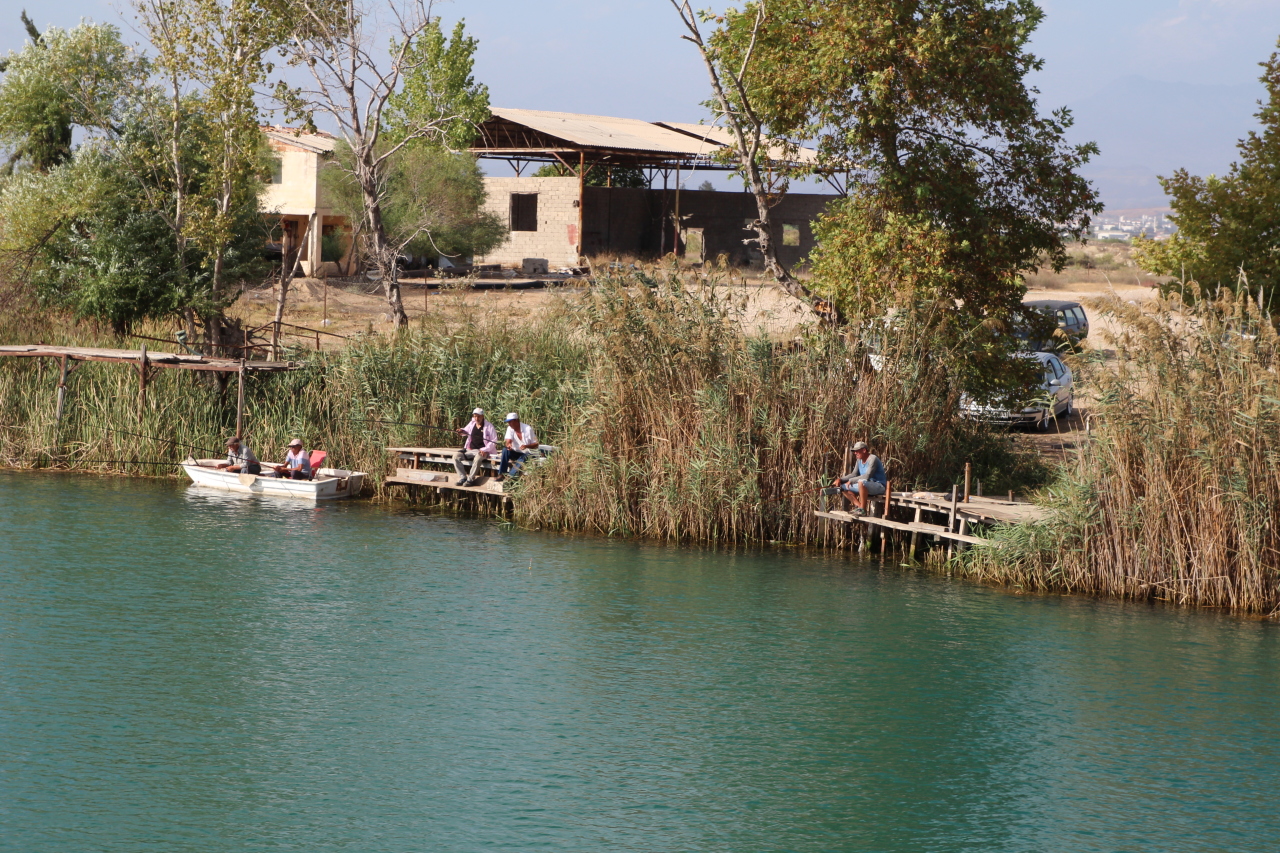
(349, 308)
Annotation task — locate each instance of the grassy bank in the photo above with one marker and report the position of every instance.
(674, 423)
(1177, 497)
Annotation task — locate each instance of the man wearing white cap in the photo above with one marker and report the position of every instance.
(481, 442)
(867, 479)
(297, 463)
(518, 441)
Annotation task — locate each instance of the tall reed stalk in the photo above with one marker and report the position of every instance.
(1177, 497)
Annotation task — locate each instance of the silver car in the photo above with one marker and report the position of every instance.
(1057, 397)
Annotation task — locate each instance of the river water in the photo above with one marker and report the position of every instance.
(190, 671)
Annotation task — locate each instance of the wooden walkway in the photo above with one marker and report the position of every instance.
(961, 515)
(147, 357)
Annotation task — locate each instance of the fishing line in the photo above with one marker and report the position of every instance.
(399, 423)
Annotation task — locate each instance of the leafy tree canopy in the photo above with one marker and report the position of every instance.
(59, 80)
(924, 104)
(433, 204)
(1229, 225)
(439, 88)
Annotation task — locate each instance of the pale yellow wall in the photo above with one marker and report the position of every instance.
(298, 192)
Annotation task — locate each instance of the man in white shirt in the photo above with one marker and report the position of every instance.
(297, 463)
(519, 440)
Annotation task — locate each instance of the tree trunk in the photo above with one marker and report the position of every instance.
(384, 255)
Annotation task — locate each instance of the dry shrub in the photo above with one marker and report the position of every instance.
(1177, 497)
(693, 431)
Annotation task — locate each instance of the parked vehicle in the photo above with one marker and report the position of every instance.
(1069, 316)
(1057, 397)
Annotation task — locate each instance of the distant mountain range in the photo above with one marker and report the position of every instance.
(1146, 128)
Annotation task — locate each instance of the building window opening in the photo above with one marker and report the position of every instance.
(277, 170)
(790, 235)
(524, 211)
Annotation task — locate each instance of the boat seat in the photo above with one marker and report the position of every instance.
(317, 459)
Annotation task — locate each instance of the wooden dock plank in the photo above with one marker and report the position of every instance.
(907, 526)
(442, 480)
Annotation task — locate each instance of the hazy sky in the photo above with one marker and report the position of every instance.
(625, 58)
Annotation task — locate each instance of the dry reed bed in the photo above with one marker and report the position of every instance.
(1177, 498)
(674, 423)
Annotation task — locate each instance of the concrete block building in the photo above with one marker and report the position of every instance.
(562, 219)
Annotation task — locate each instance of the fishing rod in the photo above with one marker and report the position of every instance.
(165, 441)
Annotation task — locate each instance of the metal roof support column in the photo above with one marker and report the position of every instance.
(582, 198)
(675, 231)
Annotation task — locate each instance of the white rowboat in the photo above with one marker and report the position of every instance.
(329, 484)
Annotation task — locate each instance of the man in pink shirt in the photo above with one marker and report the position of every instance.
(481, 442)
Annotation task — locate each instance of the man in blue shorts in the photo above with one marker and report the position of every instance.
(866, 480)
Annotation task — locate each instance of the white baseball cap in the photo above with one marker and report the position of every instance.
(512, 416)
(477, 411)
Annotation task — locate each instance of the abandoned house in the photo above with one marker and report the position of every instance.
(562, 219)
(308, 224)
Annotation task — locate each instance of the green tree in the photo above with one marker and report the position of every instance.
(926, 100)
(626, 177)
(60, 80)
(219, 47)
(440, 89)
(432, 204)
(1228, 226)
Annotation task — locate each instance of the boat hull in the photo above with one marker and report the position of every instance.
(329, 484)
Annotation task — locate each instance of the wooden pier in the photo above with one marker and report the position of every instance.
(962, 513)
(433, 467)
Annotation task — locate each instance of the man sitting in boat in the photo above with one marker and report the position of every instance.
(481, 442)
(240, 459)
(297, 463)
(519, 440)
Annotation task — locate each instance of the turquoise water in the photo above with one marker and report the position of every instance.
(187, 671)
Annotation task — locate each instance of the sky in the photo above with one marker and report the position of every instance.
(1159, 84)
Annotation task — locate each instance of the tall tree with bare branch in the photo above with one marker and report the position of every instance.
(732, 106)
(356, 84)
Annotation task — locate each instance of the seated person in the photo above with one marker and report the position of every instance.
(481, 443)
(240, 459)
(519, 440)
(297, 463)
(867, 479)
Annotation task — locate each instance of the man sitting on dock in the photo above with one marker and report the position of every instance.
(297, 463)
(481, 443)
(519, 440)
(866, 480)
(240, 459)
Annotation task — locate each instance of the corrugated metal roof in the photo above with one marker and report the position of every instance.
(722, 136)
(626, 134)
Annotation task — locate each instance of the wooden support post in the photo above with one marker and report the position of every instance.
(1011, 496)
(62, 390)
(240, 401)
(675, 235)
(968, 472)
(884, 531)
(142, 383)
(951, 520)
(964, 528)
(979, 489)
(915, 535)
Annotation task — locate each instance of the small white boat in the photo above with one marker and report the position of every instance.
(329, 483)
